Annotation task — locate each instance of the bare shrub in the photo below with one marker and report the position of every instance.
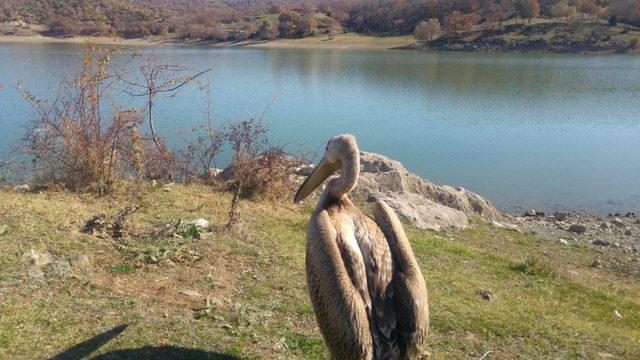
(198, 156)
(259, 169)
(74, 141)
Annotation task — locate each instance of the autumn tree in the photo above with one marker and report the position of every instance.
(307, 25)
(275, 9)
(527, 9)
(333, 28)
(267, 31)
(288, 26)
(562, 10)
(457, 21)
(625, 10)
(427, 30)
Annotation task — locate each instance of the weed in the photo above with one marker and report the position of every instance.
(187, 230)
(122, 269)
(533, 266)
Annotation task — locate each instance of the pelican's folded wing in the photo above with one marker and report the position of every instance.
(339, 307)
(412, 307)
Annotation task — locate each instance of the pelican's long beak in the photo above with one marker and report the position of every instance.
(320, 174)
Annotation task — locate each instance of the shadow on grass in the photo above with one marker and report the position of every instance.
(84, 349)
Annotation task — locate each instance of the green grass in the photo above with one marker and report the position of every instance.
(122, 269)
(550, 302)
(532, 266)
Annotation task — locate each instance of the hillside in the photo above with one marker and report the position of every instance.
(243, 293)
(547, 36)
(558, 25)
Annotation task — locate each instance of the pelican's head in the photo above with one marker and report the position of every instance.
(341, 153)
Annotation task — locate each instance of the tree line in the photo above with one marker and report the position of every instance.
(239, 20)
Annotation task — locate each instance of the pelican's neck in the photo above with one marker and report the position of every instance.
(348, 174)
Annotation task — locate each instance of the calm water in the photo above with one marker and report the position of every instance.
(542, 131)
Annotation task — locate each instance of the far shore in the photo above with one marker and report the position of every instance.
(345, 41)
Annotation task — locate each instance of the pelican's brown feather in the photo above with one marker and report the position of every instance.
(340, 312)
(365, 285)
(411, 293)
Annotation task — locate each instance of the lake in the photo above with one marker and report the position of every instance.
(539, 131)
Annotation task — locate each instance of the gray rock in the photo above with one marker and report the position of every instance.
(81, 262)
(531, 213)
(213, 172)
(563, 241)
(628, 232)
(376, 163)
(605, 225)
(596, 263)
(485, 294)
(38, 257)
(202, 223)
(35, 274)
(23, 187)
(62, 267)
(617, 222)
(190, 293)
(578, 228)
(560, 216)
(382, 175)
(601, 243)
(424, 213)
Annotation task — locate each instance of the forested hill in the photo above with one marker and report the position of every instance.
(243, 19)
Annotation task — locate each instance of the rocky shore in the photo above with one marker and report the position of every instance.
(620, 232)
(557, 37)
(440, 207)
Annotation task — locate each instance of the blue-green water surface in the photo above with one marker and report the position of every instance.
(525, 130)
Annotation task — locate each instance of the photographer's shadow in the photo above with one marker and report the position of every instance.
(84, 350)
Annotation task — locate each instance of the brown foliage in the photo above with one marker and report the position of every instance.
(71, 141)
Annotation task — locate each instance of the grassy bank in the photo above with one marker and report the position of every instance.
(253, 277)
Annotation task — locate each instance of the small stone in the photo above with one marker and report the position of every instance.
(628, 232)
(578, 228)
(190, 293)
(605, 225)
(601, 243)
(531, 213)
(23, 187)
(617, 222)
(485, 294)
(497, 224)
(617, 313)
(563, 241)
(62, 267)
(213, 172)
(82, 263)
(36, 274)
(38, 258)
(560, 216)
(596, 263)
(202, 223)
(4, 229)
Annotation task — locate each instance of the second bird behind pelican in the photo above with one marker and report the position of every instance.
(365, 285)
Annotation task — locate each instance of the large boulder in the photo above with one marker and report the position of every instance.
(422, 212)
(381, 177)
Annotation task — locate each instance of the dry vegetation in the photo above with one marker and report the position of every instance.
(193, 294)
(198, 20)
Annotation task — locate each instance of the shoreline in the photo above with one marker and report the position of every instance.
(342, 42)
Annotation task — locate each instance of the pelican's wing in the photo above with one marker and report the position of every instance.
(338, 305)
(412, 307)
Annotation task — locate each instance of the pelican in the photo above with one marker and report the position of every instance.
(365, 284)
